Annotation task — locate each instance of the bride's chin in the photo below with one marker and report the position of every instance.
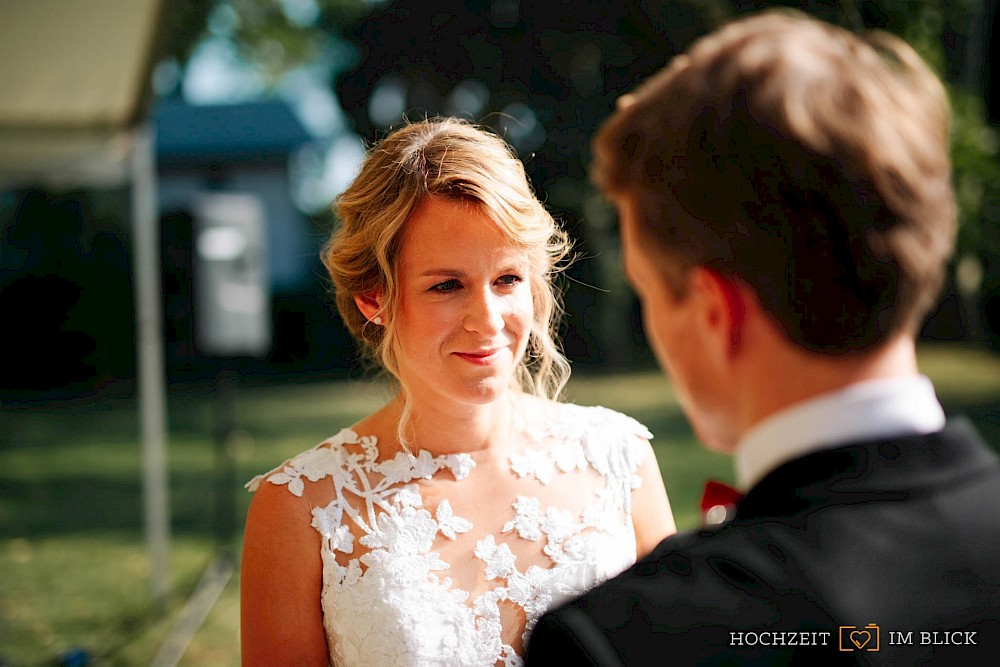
(489, 390)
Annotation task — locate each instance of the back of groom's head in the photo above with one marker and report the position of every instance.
(807, 161)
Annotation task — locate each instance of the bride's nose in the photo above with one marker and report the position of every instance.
(484, 313)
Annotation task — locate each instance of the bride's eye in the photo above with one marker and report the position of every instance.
(446, 286)
(509, 280)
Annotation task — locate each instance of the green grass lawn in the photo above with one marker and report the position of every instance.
(73, 564)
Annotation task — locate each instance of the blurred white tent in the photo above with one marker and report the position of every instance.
(75, 80)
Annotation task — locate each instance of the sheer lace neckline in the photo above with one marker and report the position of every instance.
(416, 572)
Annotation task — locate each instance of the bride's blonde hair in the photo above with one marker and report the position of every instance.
(455, 160)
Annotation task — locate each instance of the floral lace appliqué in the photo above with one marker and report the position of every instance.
(395, 603)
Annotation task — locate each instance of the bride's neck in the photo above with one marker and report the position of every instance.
(462, 428)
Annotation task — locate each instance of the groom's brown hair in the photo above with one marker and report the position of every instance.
(807, 161)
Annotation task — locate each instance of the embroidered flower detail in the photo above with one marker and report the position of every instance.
(460, 465)
(448, 523)
(347, 576)
(533, 462)
(339, 536)
(487, 605)
(369, 444)
(314, 465)
(425, 465)
(291, 477)
(569, 457)
(575, 548)
(488, 629)
(342, 540)
(510, 658)
(398, 469)
(595, 514)
(520, 589)
(409, 531)
(404, 467)
(558, 524)
(527, 519)
(326, 521)
(499, 559)
(409, 496)
(535, 588)
(347, 436)
(401, 570)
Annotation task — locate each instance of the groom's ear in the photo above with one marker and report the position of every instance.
(736, 306)
(724, 305)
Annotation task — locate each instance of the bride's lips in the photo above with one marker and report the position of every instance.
(479, 357)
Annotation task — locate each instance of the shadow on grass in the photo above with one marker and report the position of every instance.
(87, 504)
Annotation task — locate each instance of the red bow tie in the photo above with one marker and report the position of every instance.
(718, 502)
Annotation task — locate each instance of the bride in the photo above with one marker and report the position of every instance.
(438, 529)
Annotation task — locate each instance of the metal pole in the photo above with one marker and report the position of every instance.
(226, 383)
(151, 380)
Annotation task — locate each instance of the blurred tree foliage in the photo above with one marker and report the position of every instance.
(544, 74)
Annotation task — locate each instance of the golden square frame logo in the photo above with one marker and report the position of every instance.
(853, 638)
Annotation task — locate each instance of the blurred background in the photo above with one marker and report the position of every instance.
(166, 171)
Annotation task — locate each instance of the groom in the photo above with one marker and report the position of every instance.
(787, 214)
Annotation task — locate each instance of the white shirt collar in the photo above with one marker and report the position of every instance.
(868, 410)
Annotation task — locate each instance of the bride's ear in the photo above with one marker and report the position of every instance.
(368, 304)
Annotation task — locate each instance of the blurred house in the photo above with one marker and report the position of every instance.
(241, 149)
(237, 148)
(66, 275)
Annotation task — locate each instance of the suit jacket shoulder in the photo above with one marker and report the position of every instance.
(890, 533)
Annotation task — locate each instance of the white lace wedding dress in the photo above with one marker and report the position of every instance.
(446, 561)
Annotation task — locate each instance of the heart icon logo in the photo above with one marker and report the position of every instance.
(860, 638)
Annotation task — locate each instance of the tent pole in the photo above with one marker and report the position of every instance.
(151, 375)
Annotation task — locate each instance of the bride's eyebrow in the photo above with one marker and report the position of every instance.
(515, 264)
(451, 273)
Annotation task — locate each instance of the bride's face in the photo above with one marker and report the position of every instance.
(465, 305)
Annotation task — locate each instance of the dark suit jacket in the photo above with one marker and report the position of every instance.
(902, 534)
